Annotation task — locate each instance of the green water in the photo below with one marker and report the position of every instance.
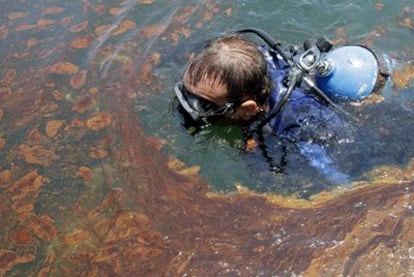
(217, 150)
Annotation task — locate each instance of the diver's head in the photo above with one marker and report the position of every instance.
(227, 82)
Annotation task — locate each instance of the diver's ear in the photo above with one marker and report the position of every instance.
(249, 107)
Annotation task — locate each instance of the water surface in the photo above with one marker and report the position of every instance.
(219, 151)
(98, 178)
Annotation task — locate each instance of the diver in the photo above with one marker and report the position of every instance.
(233, 80)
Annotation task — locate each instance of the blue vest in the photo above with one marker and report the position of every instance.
(307, 121)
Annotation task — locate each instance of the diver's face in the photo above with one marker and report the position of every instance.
(216, 92)
(210, 90)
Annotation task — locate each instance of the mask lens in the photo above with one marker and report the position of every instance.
(201, 105)
(198, 108)
(187, 102)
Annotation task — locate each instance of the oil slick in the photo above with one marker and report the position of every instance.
(83, 190)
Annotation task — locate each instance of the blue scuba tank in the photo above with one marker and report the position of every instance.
(352, 72)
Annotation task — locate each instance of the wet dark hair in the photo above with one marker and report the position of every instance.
(237, 63)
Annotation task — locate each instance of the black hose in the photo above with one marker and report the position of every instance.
(270, 41)
(318, 91)
(274, 44)
(295, 78)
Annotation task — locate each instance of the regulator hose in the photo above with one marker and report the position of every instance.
(296, 77)
(274, 44)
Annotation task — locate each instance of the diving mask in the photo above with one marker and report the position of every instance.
(200, 110)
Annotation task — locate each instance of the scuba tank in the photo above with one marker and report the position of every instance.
(351, 72)
(348, 71)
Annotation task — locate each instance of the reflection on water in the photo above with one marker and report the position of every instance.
(91, 182)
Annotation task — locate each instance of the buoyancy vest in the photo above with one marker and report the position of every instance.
(307, 121)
